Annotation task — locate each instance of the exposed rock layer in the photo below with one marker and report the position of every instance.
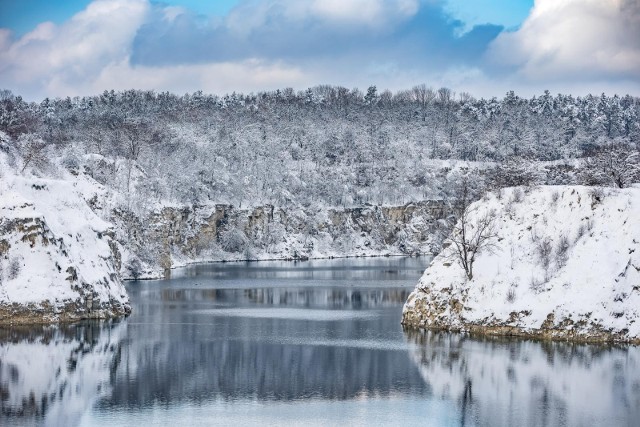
(175, 235)
(58, 260)
(565, 266)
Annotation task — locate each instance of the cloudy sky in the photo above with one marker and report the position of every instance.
(485, 47)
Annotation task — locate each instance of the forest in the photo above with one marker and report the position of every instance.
(326, 146)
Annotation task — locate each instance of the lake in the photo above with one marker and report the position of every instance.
(308, 343)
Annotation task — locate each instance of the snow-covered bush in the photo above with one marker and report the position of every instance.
(15, 266)
(613, 164)
(562, 250)
(134, 268)
(544, 249)
(517, 195)
(233, 240)
(597, 195)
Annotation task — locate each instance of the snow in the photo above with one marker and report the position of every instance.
(50, 229)
(595, 287)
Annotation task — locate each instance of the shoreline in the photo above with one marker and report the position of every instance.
(520, 333)
(302, 259)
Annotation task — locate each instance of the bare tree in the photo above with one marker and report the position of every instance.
(471, 233)
(32, 148)
(614, 164)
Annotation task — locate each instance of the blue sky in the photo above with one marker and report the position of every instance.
(485, 47)
(23, 15)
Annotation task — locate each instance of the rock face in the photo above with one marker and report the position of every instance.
(566, 265)
(175, 235)
(58, 260)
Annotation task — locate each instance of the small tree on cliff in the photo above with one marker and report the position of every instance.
(471, 233)
(613, 164)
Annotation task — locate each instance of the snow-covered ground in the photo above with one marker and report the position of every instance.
(566, 264)
(57, 257)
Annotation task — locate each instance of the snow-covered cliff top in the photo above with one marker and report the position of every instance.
(57, 257)
(566, 259)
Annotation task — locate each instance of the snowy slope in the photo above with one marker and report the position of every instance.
(57, 258)
(566, 265)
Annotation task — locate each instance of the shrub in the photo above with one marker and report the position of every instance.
(233, 240)
(544, 250)
(15, 266)
(517, 196)
(582, 229)
(597, 196)
(134, 267)
(562, 251)
(536, 285)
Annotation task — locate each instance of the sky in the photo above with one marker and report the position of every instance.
(483, 47)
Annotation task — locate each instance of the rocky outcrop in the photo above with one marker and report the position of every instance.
(58, 260)
(175, 235)
(565, 265)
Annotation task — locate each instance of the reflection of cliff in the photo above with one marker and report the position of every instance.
(264, 346)
(51, 375)
(191, 370)
(514, 382)
(330, 298)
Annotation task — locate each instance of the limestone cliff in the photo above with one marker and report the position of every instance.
(58, 260)
(565, 265)
(173, 236)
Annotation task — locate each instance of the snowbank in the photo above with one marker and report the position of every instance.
(58, 259)
(566, 265)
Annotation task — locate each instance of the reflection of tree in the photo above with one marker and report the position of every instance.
(155, 371)
(52, 374)
(327, 298)
(501, 381)
(173, 355)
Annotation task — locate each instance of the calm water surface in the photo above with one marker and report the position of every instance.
(312, 343)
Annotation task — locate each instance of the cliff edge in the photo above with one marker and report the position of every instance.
(564, 264)
(58, 260)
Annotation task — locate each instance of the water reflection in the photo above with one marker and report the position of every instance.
(513, 382)
(265, 344)
(50, 375)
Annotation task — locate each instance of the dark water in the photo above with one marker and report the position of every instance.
(312, 343)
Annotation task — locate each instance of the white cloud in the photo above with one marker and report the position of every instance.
(578, 40)
(574, 40)
(250, 75)
(370, 12)
(91, 52)
(77, 50)
(374, 13)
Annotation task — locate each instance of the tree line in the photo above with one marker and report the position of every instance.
(327, 144)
